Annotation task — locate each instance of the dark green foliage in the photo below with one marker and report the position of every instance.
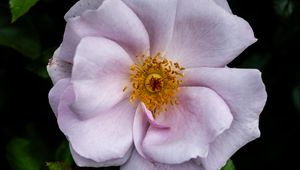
(20, 7)
(63, 153)
(229, 165)
(21, 36)
(58, 166)
(284, 8)
(20, 156)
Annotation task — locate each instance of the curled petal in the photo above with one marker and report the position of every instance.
(142, 120)
(244, 92)
(56, 93)
(138, 162)
(207, 35)
(104, 139)
(100, 72)
(113, 20)
(151, 119)
(58, 69)
(229, 142)
(242, 89)
(192, 125)
(140, 126)
(81, 6)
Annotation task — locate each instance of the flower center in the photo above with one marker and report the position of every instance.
(155, 82)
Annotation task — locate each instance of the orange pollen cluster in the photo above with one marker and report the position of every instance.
(155, 82)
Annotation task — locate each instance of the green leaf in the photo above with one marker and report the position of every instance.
(18, 39)
(19, 155)
(57, 166)
(229, 165)
(21, 36)
(20, 7)
(63, 153)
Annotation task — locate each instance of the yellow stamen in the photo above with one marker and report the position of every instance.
(155, 82)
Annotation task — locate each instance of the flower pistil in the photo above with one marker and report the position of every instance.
(155, 82)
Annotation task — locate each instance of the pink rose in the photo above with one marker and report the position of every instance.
(143, 84)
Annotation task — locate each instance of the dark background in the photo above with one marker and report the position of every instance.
(28, 129)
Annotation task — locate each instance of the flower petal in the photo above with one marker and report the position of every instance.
(58, 69)
(56, 92)
(224, 4)
(244, 92)
(138, 162)
(158, 17)
(81, 6)
(100, 72)
(229, 142)
(198, 119)
(151, 119)
(140, 126)
(113, 20)
(242, 89)
(84, 162)
(207, 35)
(102, 139)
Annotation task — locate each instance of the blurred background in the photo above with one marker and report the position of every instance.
(29, 133)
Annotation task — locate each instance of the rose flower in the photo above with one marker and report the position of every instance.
(144, 84)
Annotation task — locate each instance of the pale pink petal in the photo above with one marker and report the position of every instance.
(113, 20)
(242, 89)
(56, 92)
(223, 4)
(198, 119)
(84, 162)
(58, 69)
(81, 6)
(151, 119)
(229, 142)
(100, 72)
(207, 35)
(140, 126)
(141, 123)
(158, 17)
(244, 92)
(136, 162)
(101, 139)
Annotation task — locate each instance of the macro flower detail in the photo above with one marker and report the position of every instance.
(155, 82)
(144, 84)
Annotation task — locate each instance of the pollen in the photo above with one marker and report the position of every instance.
(155, 81)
